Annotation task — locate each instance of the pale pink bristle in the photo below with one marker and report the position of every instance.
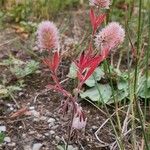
(79, 120)
(48, 36)
(100, 3)
(110, 37)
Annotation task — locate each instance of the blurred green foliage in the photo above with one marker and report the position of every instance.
(2, 136)
(31, 9)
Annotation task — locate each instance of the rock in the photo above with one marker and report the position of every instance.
(94, 127)
(43, 118)
(24, 135)
(36, 119)
(52, 132)
(20, 127)
(37, 146)
(31, 108)
(50, 125)
(7, 139)
(27, 147)
(32, 132)
(12, 144)
(97, 117)
(35, 48)
(2, 128)
(39, 136)
(72, 148)
(51, 120)
(57, 138)
(9, 105)
(55, 127)
(46, 134)
(21, 93)
(35, 113)
(11, 108)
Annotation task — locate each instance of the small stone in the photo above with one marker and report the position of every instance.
(2, 128)
(39, 136)
(52, 132)
(31, 108)
(12, 144)
(11, 108)
(37, 146)
(36, 119)
(64, 118)
(21, 93)
(20, 127)
(46, 134)
(54, 127)
(35, 113)
(94, 127)
(32, 132)
(7, 139)
(43, 118)
(97, 118)
(27, 147)
(35, 48)
(88, 112)
(51, 120)
(57, 138)
(28, 104)
(9, 105)
(50, 125)
(24, 135)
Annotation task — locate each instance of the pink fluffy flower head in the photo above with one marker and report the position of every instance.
(79, 119)
(48, 36)
(100, 3)
(110, 36)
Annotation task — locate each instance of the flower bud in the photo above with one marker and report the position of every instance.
(48, 36)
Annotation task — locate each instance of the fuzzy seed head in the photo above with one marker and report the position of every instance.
(100, 3)
(48, 36)
(110, 37)
(79, 119)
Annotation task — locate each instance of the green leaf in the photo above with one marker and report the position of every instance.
(14, 88)
(12, 61)
(143, 92)
(31, 67)
(72, 71)
(22, 71)
(3, 91)
(59, 147)
(2, 136)
(94, 95)
(121, 95)
(122, 85)
(89, 82)
(98, 73)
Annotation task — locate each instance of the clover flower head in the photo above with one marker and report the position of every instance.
(110, 37)
(100, 3)
(48, 36)
(79, 119)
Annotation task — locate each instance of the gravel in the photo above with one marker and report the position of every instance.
(7, 139)
(37, 146)
(2, 128)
